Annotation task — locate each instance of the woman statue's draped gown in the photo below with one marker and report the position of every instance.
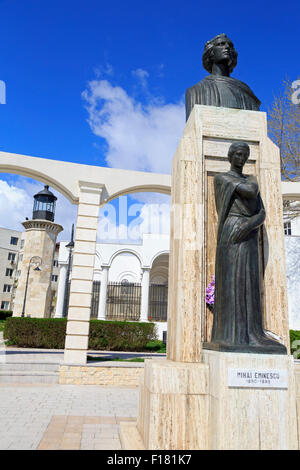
(238, 318)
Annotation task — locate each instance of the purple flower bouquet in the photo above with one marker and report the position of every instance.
(210, 295)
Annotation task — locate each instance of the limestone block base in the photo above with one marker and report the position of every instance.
(130, 437)
(173, 408)
(119, 375)
(297, 379)
(187, 406)
(251, 418)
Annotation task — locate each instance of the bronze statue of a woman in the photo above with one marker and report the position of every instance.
(238, 317)
(218, 88)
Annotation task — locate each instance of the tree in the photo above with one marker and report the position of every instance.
(284, 130)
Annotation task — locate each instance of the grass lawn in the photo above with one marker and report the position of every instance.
(104, 359)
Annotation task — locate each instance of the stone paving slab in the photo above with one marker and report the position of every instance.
(82, 433)
(65, 416)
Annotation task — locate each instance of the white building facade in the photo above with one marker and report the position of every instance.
(145, 266)
(292, 247)
(130, 281)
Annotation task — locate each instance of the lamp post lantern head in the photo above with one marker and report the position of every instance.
(71, 243)
(44, 205)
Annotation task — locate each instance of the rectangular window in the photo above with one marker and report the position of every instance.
(54, 278)
(55, 263)
(8, 272)
(7, 288)
(14, 240)
(11, 256)
(22, 244)
(4, 305)
(287, 228)
(20, 258)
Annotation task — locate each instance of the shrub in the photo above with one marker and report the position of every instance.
(295, 343)
(4, 314)
(36, 332)
(156, 345)
(120, 335)
(104, 335)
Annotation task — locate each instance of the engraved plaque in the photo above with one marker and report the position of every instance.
(257, 378)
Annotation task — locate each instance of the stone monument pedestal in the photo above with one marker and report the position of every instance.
(252, 401)
(188, 401)
(173, 408)
(207, 406)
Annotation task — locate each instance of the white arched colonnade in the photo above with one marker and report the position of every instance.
(90, 187)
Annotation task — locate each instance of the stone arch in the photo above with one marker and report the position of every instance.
(164, 252)
(125, 250)
(140, 189)
(159, 272)
(97, 265)
(98, 255)
(40, 176)
(127, 274)
(66, 177)
(291, 190)
(118, 268)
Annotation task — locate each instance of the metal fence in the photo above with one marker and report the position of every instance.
(123, 301)
(158, 302)
(95, 299)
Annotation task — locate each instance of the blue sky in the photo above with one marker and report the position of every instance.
(64, 62)
(50, 51)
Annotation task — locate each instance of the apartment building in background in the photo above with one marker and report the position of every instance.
(10, 247)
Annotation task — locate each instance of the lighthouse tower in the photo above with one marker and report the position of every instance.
(33, 294)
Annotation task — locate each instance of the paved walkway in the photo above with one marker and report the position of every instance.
(52, 416)
(9, 354)
(63, 416)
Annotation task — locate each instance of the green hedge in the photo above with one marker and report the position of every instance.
(4, 314)
(295, 337)
(120, 335)
(36, 332)
(104, 335)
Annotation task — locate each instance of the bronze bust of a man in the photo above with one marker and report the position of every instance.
(218, 88)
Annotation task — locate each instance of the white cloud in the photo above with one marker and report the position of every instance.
(137, 220)
(139, 136)
(16, 203)
(152, 198)
(142, 76)
(104, 70)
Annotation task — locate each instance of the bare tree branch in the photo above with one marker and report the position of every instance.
(284, 130)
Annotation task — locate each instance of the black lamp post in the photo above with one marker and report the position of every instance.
(70, 247)
(34, 261)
